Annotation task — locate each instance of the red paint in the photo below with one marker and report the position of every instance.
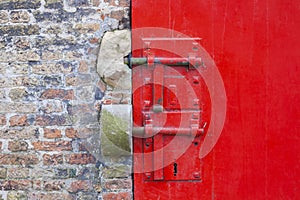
(255, 46)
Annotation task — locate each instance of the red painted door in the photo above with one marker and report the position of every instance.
(216, 117)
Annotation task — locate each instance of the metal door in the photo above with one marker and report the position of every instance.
(190, 59)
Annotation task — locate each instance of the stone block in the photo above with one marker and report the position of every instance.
(114, 46)
(115, 123)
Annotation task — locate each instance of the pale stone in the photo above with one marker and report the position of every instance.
(115, 132)
(114, 46)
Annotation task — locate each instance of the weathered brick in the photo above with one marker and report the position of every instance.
(87, 28)
(51, 196)
(18, 107)
(20, 4)
(70, 41)
(118, 14)
(18, 120)
(52, 133)
(51, 55)
(17, 195)
(18, 159)
(17, 93)
(18, 173)
(24, 56)
(15, 146)
(58, 94)
(52, 106)
(3, 173)
(36, 184)
(53, 185)
(2, 120)
(52, 159)
(24, 81)
(65, 173)
(71, 133)
(118, 184)
(80, 159)
(52, 120)
(80, 132)
(20, 133)
(22, 43)
(86, 196)
(19, 16)
(72, 55)
(83, 67)
(16, 185)
(3, 17)
(53, 29)
(18, 30)
(76, 80)
(55, 80)
(54, 3)
(81, 185)
(117, 196)
(85, 93)
(44, 173)
(19, 68)
(78, 3)
(52, 146)
(121, 3)
(88, 173)
(52, 68)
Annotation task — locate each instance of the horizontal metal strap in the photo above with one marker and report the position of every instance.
(195, 62)
(142, 131)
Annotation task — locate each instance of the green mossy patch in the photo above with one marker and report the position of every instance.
(114, 137)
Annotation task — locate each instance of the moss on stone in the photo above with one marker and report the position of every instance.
(114, 137)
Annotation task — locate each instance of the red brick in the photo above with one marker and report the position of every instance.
(2, 119)
(52, 133)
(52, 146)
(80, 159)
(71, 133)
(82, 185)
(18, 159)
(16, 185)
(18, 120)
(80, 132)
(52, 159)
(15, 146)
(117, 196)
(58, 94)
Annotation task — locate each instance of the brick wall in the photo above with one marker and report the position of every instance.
(50, 98)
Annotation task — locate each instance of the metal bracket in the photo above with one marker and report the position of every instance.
(189, 47)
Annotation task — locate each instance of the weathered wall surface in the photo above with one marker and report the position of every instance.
(50, 98)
